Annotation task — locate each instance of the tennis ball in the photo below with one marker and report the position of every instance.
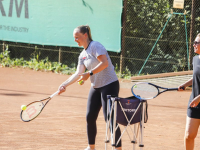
(23, 107)
(80, 82)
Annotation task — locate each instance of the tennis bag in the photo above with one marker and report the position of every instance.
(130, 105)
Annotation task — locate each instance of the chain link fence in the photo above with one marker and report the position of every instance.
(144, 21)
(151, 42)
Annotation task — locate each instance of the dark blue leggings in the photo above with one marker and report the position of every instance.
(98, 98)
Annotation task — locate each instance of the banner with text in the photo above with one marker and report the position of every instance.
(50, 22)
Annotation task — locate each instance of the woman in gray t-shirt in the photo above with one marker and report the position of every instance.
(104, 81)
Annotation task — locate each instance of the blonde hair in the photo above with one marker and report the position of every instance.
(85, 29)
(198, 35)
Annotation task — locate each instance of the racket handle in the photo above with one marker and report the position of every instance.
(172, 89)
(183, 88)
(54, 94)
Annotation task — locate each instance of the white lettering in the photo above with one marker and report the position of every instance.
(129, 110)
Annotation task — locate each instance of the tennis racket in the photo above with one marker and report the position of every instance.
(35, 108)
(146, 91)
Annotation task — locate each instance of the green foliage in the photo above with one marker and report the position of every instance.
(145, 20)
(126, 73)
(36, 54)
(5, 58)
(45, 65)
(34, 63)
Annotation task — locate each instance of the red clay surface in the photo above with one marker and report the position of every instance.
(62, 125)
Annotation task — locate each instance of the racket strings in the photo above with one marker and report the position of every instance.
(32, 111)
(145, 91)
(35, 108)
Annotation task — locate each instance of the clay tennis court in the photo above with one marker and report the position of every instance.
(62, 125)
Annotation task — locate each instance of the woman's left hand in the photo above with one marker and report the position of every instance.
(195, 101)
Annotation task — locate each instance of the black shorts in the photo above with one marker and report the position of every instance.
(193, 112)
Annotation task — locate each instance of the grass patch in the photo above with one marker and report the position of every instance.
(46, 65)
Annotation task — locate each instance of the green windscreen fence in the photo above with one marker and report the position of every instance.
(51, 22)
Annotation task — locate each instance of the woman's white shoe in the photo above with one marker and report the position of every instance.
(88, 148)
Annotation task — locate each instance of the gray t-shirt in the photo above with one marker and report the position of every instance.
(88, 58)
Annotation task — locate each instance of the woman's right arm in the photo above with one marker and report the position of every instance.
(72, 79)
(186, 84)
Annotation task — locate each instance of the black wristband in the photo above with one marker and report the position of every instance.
(91, 73)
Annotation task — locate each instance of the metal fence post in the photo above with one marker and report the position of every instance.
(60, 55)
(192, 26)
(3, 48)
(123, 37)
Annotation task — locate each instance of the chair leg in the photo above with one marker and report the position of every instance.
(107, 122)
(134, 138)
(114, 125)
(142, 127)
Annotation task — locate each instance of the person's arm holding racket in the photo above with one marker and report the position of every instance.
(80, 75)
(72, 79)
(196, 100)
(186, 84)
